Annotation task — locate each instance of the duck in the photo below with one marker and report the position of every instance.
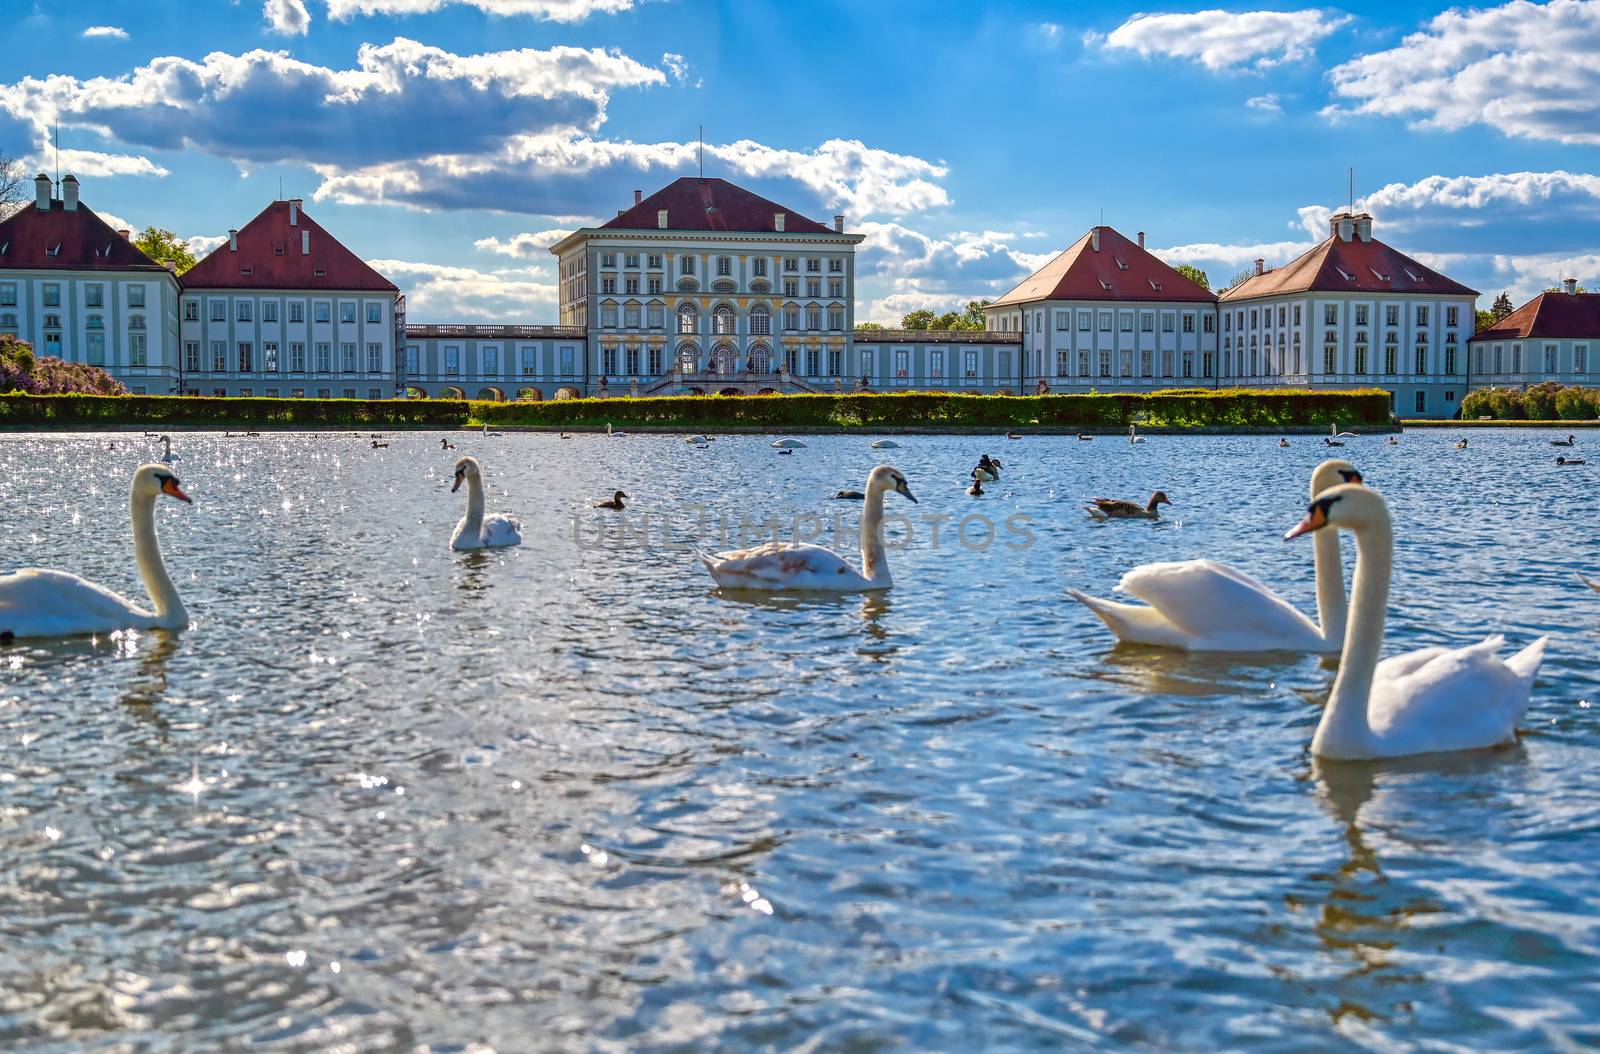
(885, 444)
(1430, 701)
(1082, 438)
(1571, 440)
(786, 453)
(849, 495)
(1133, 434)
(1283, 442)
(787, 444)
(565, 435)
(1117, 509)
(112, 447)
(1392, 441)
(1462, 445)
(1203, 605)
(1570, 460)
(987, 470)
(167, 456)
(976, 490)
(1330, 441)
(1592, 583)
(379, 446)
(781, 566)
(35, 602)
(445, 444)
(1013, 435)
(613, 502)
(477, 531)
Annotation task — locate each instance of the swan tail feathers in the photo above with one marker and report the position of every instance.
(1133, 623)
(1525, 663)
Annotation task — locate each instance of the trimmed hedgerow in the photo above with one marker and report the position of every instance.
(1186, 408)
(107, 411)
(1546, 401)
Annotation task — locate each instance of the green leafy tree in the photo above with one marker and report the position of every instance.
(871, 327)
(1197, 276)
(163, 246)
(919, 319)
(972, 318)
(1502, 306)
(1484, 320)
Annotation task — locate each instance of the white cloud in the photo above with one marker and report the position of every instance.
(441, 293)
(1048, 35)
(1528, 70)
(1222, 40)
(530, 245)
(287, 17)
(111, 32)
(899, 269)
(202, 244)
(547, 10)
(96, 163)
(676, 65)
(1267, 104)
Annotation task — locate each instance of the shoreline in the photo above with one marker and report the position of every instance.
(886, 430)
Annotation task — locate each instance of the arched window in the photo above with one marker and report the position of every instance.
(688, 357)
(760, 320)
(722, 320)
(96, 322)
(688, 318)
(136, 322)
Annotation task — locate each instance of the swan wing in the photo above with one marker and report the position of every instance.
(501, 530)
(783, 565)
(41, 603)
(1445, 699)
(1222, 608)
(1592, 583)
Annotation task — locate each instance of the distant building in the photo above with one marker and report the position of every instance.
(76, 289)
(283, 309)
(1350, 313)
(1105, 314)
(1553, 337)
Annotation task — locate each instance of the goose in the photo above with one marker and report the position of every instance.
(1133, 435)
(1571, 440)
(1429, 701)
(1283, 442)
(167, 456)
(39, 603)
(445, 444)
(477, 531)
(1592, 583)
(849, 495)
(1202, 605)
(976, 490)
(1462, 445)
(1570, 460)
(1117, 509)
(987, 470)
(885, 444)
(788, 565)
(613, 502)
(787, 444)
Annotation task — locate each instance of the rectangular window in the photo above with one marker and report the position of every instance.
(1450, 359)
(1330, 314)
(191, 356)
(269, 356)
(1166, 364)
(1188, 323)
(246, 358)
(374, 312)
(813, 318)
(219, 357)
(654, 361)
(813, 362)
(567, 361)
(655, 286)
(219, 311)
(686, 265)
(1105, 322)
(491, 361)
(630, 316)
(1391, 315)
(452, 361)
(1422, 402)
(1421, 361)
(836, 319)
(297, 356)
(413, 360)
(1147, 323)
(374, 358)
(191, 311)
(813, 287)
(1451, 316)
(324, 357)
(608, 285)
(608, 259)
(1330, 358)
(94, 296)
(970, 365)
(136, 296)
(1085, 321)
(630, 284)
(1361, 358)
(1580, 358)
(1127, 322)
(347, 357)
(269, 311)
(1422, 320)
(1390, 354)
(1361, 314)
(136, 349)
(813, 264)
(320, 311)
(244, 313)
(936, 364)
(1105, 363)
(1209, 324)
(8, 294)
(1146, 364)
(297, 312)
(347, 311)
(52, 295)
(1550, 358)
(1169, 323)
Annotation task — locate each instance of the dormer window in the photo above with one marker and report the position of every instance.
(54, 250)
(1105, 285)
(319, 273)
(1122, 265)
(1412, 275)
(1155, 285)
(1346, 275)
(277, 249)
(1379, 275)
(246, 272)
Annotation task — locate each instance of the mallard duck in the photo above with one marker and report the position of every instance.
(849, 495)
(1085, 438)
(1283, 442)
(987, 470)
(379, 446)
(1461, 445)
(1570, 461)
(445, 444)
(1571, 440)
(613, 502)
(1117, 509)
(976, 490)
(1333, 442)
(1013, 435)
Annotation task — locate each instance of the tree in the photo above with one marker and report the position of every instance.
(163, 246)
(1502, 306)
(1485, 320)
(871, 327)
(1197, 276)
(1243, 276)
(13, 185)
(1558, 289)
(919, 319)
(973, 318)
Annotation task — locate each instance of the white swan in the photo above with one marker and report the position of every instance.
(476, 531)
(1201, 605)
(787, 444)
(787, 565)
(612, 435)
(1333, 430)
(1133, 434)
(168, 457)
(696, 440)
(39, 603)
(885, 444)
(1422, 702)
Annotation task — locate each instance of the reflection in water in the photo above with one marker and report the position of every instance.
(150, 686)
(1167, 671)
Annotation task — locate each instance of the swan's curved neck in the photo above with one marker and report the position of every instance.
(874, 554)
(473, 523)
(170, 612)
(1344, 728)
(1332, 605)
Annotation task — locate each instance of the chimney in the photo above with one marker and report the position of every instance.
(1094, 239)
(1261, 266)
(621, 212)
(294, 212)
(638, 196)
(1141, 239)
(661, 218)
(1364, 227)
(838, 224)
(127, 236)
(41, 192)
(777, 221)
(305, 243)
(1342, 225)
(233, 241)
(1569, 286)
(69, 192)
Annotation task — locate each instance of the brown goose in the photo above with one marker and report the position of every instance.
(1117, 509)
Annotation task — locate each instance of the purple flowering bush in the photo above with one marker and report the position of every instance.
(20, 371)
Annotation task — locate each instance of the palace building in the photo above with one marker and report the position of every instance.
(1553, 337)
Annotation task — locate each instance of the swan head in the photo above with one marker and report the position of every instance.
(1332, 473)
(1350, 505)
(887, 477)
(466, 471)
(151, 481)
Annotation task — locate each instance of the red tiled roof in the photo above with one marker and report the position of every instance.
(1353, 266)
(711, 204)
(1550, 314)
(269, 248)
(1119, 271)
(86, 242)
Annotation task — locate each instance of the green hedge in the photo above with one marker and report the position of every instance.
(1547, 401)
(1181, 408)
(101, 411)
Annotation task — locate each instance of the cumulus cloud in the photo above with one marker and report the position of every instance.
(903, 269)
(547, 10)
(442, 293)
(287, 17)
(1221, 40)
(1267, 104)
(530, 245)
(1526, 69)
(111, 32)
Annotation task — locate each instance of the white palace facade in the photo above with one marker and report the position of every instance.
(706, 288)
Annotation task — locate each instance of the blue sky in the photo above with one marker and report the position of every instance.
(450, 141)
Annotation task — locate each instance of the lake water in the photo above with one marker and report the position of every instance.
(382, 796)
